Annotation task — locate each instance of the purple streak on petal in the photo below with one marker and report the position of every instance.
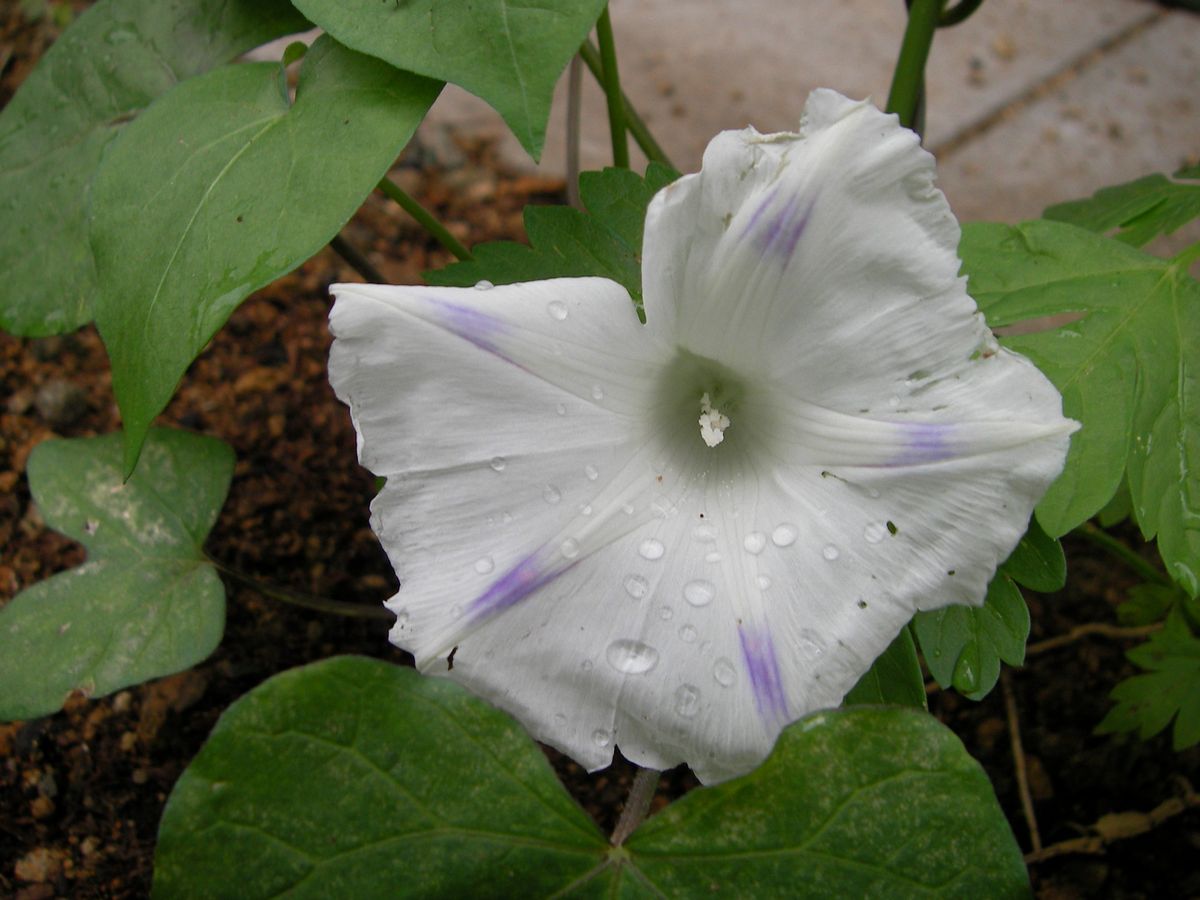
(758, 650)
(513, 586)
(470, 325)
(766, 203)
(924, 444)
(780, 229)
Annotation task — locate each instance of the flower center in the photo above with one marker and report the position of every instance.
(712, 422)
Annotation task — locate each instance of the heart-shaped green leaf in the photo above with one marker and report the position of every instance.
(221, 187)
(1124, 368)
(354, 778)
(506, 52)
(105, 69)
(147, 602)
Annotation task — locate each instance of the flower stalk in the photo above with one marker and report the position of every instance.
(637, 804)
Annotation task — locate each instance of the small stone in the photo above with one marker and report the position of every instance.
(60, 403)
(41, 807)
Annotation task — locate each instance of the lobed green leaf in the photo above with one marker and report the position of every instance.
(223, 186)
(105, 69)
(964, 645)
(1141, 209)
(605, 241)
(894, 679)
(1038, 561)
(1123, 366)
(147, 602)
(509, 54)
(352, 777)
(1170, 690)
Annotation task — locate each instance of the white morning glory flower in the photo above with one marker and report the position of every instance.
(678, 537)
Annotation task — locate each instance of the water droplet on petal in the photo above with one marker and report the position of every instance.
(484, 564)
(651, 549)
(785, 535)
(569, 548)
(627, 509)
(712, 556)
(874, 532)
(636, 586)
(551, 494)
(699, 593)
(687, 634)
(894, 400)
(666, 613)
(557, 309)
(597, 393)
(585, 509)
(456, 612)
(561, 409)
(506, 518)
(601, 738)
(560, 720)
(586, 665)
(591, 472)
(631, 657)
(764, 582)
(830, 552)
(483, 285)
(724, 672)
(498, 464)
(687, 700)
(402, 617)
(705, 534)
(811, 643)
(755, 542)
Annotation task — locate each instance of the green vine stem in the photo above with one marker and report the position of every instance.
(960, 13)
(612, 90)
(425, 218)
(909, 79)
(306, 601)
(574, 102)
(355, 259)
(635, 123)
(1112, 546)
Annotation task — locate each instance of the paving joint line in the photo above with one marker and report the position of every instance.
(1006, 109)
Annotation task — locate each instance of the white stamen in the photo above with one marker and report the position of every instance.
(712, 422)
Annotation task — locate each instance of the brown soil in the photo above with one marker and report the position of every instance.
(81, 792)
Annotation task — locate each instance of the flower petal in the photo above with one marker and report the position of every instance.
(438, 378)
(825, 258)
